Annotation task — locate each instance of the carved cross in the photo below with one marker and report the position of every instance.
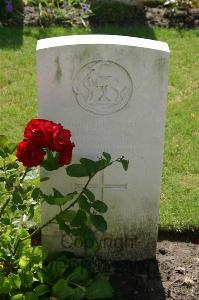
(101, 186)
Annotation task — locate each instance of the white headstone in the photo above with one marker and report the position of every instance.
(110, 91)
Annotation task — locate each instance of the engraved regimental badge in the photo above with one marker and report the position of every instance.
(102, 87)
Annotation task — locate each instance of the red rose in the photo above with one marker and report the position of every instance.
(39, 132)
(60, 138)
(66, 155)
(29, 154)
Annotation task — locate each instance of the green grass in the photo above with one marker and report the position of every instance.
(180, 186)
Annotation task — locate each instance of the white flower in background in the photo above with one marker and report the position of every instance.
(168, 2)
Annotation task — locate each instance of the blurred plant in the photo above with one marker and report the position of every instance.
(11, 11)
(9, 6)
(181, 4)
(71, 12)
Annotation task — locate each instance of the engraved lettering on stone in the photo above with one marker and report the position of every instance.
(101, 186)
(102, 87)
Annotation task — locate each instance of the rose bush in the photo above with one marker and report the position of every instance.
(27, 272)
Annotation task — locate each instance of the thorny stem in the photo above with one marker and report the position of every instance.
(4, 206)
(52, 219)
(66, 209)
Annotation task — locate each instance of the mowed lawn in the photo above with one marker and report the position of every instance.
(180, 185)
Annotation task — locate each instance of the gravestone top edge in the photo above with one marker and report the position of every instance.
(97, 39)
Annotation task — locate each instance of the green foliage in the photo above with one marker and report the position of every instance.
(25, 271)
(77, 170)
(100, 206)
(58, 199)
(99, 289)
(89, 195)
(99, 222)
(51, 161)
(41, 290)
(89, 168)
(71, 13)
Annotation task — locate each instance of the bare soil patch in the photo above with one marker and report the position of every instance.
(173, 275)
(164, 17)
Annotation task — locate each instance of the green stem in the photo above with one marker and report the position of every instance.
(7, 200)
(24, 175)
(52, 219)
(4, 206)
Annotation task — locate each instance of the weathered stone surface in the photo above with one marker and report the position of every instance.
(110, 91)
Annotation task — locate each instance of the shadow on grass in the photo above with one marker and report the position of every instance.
(137, 280)
(47, 32)
(121, 19)
(11, 37)
(108, 18)
(133, 31)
